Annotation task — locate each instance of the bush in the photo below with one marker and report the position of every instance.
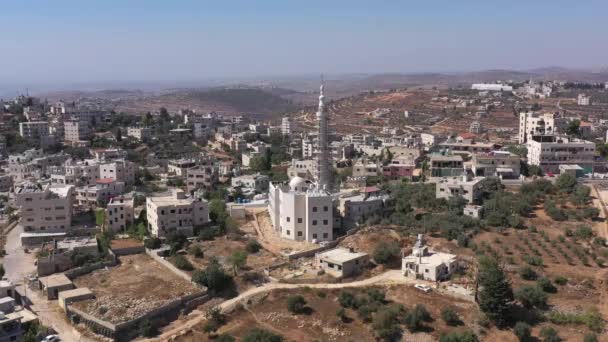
(213, 277)
(531, 296)
(376, 295)
(253, 246)
(590, 338)
(523, 331)
(152, 243)
(346, 299)
(207, 234)
(296, 304)
(341, 313)
(450, 317)
(546, 285)
(414, 318)
(527, 273)
(561, 280)
(385, 252)
(533, 260)
(386, 322)
(584, 232)
(592, 319)
(261, 335)
(196, 251)
(464, 336)
(182, 263)
(224, 338)
(549, 334)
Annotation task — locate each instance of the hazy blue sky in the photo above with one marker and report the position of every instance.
(142, 40)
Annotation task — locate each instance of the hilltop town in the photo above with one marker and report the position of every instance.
(452, 213)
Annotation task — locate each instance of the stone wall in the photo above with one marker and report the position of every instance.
(129, 250)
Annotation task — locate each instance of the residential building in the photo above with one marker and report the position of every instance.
(446, 165)
(472, 210)
(120, 170)
(202, 176)
(531, 124)
(106, 154)
(34, 129)
(94, 195)
(363, 169)
(341, 262)
(305, 168)
(357, 208)
(257, 182)
(300, 211)
(427, 264)
(175, 213)
(119, 213)
(466, 146)
(76, 131)
(399, 168)
(550, 151)
(475, 127)
(139, 133)
(44, 208)
(583, 100)
(6, 183)
(464, 186)
(286, 126)
(501, 164)
(491, 87)
(179, 167)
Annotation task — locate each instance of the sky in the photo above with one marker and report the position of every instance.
(71, 41)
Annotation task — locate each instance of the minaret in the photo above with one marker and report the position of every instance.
(323, 158)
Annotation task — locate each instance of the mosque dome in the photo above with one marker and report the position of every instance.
(297, 184)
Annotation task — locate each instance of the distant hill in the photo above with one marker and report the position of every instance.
(230, 101)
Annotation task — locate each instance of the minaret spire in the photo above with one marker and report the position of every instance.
(323, 159)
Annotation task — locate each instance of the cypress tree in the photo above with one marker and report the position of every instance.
(495, 294)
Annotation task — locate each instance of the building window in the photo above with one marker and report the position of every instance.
(299, 220)
(288, 219)
(314, 222)
(325, 222)
(314, 235)
(289, 232)
(299, 233)
(325, 235)
(314, 209)
(325, 208)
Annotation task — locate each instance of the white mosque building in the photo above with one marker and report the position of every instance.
(302, 210)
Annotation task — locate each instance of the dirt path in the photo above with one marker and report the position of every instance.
(386, 278)
(602, 230)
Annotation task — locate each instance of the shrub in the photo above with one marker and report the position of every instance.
(590, 338)
(450, 316)
(549, 334)
(455, 336)
(531, 296)
(414, 318)
(152, 243)
(253, 246)
(386, 322)
(365, 312)
(213, 277)
(347, 299)
(341, 313)
(546, 285)
(385, 252)
(182, 263)
(523, 331)
(196, 251)
(261, 335)
(376, 295)
(207, 234)
(592, 319)
(584, 232)
(224, 338)
(296, 304)
(533, 260)
(527, 273)
(561, 280)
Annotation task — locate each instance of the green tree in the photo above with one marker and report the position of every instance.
(415, 318)
(259, 164)
(450, 316)
(385, 252)
(549, 334)
(566, 182)
(213, 277)
(523, 331)
(261, 335)
(296, 304)
(464, 336)
(531, 296)
(237, 259)
(574, 128)
(495, 294)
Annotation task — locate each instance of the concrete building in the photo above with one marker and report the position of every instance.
(399, 168)
(107, 154)
(119, 170)
(52, 285)
(179, 167)
(427, 264)
(550, 151)
(583, 100)
(257, 182)
(91, 196)
(475, 127)
(68, 297)
(474, 211)
(139, 133)
(300, 211)
(464, 186)
(45, 208)
(302, 168)
(286, 126)
(76, 173)
(76, 131)
(119, 214)
(446, 165)
(358, 208)
(11, 327)
(175, 213)
(364, 169)
(466, 146)
(501, 164)
(531, 124)
(491, 87)
(34, 129)
(202, 176)
(6, 183)
(341, 262)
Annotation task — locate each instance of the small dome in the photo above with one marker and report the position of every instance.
(297, 183)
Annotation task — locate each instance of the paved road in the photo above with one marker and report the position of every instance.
(18, 265)
(388, 277)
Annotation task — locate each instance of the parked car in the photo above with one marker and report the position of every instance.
(51, 338)
(423, 288)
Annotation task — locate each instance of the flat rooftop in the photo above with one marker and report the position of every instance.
(340, 255)
(55, 280)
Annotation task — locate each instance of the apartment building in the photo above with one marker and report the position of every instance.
(76, 173)
(550, 151)
(583, 100)
(119, 213)
(446, 165)
(531, 124)
(119, 170)
(286, 126)
(464, 186)
(44, 208)
(501, 164)
(258, 183)
(399, 168)
(34, 129)
(175, 213)
(203, 176)
(76, 131)
(139, 133)
(364, 169)
(92, 196)
(179, 167)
